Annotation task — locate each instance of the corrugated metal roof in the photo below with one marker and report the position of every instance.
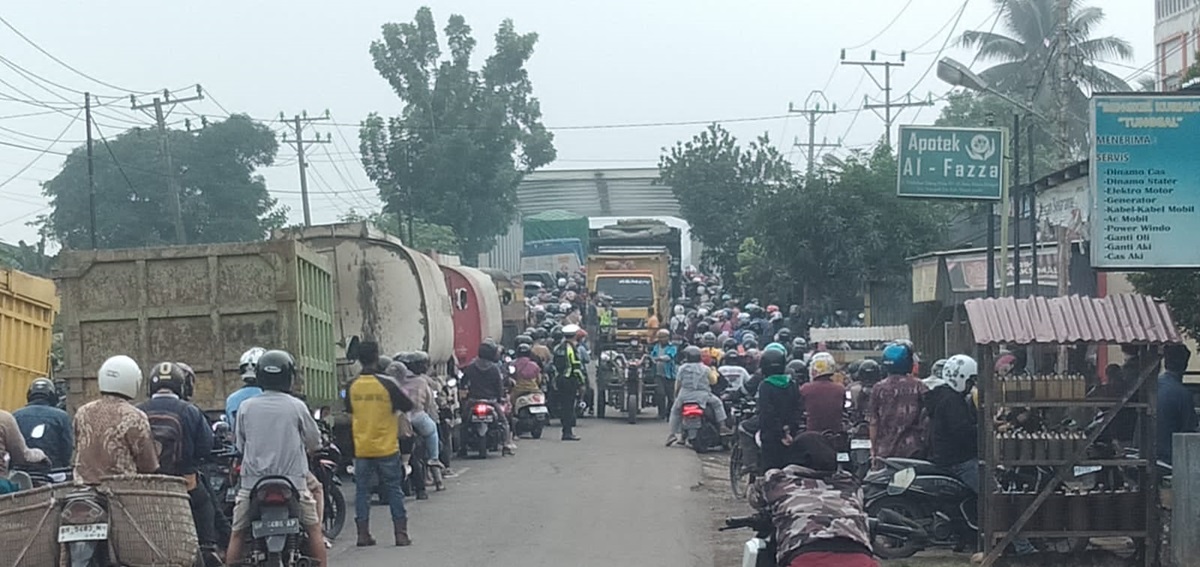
(858, 334)
(620, 192)
(1125, 318)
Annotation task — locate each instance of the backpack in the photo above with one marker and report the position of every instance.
(167, 430)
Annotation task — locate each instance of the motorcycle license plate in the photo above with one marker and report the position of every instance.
(231, 494)
(843, 457)
(539, 409)
(860, 444)
(481, 419)
(1080, 471)
(82, 532)
(275, 527)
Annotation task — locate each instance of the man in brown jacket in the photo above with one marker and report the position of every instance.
(112, 436)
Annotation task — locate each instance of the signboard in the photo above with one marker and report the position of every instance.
(968, 272)
(1146, 181)
(1066, 206)
(951, 163)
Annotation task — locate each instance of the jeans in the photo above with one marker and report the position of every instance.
(424, 426)
(666, 396)
(388, 469)
(968, 473)
(715, 406)
(203, 513)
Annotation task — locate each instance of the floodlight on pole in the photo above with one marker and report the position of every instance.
(956, 74)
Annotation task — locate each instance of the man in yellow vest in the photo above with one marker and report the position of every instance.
(568, 381)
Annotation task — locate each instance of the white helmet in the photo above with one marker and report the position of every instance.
(702, 313)
(249, 362)
(120, 375)
(959, 370)
(570, 330)
(564, 307)
(679, 310)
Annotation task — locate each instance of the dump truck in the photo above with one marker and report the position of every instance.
(635, 280)
(203, 305)
(647, 235)
(28, 305)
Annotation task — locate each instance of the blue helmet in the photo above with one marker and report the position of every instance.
(898, 358)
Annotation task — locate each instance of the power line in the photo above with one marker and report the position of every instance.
(32, 149)
(885, 28)
(937, 58)
(23, 217)
(995, 22)
(63, 63)
(41, 154)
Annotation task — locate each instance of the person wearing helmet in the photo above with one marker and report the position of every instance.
(484, 382)
(694, 385)
(663, 354)
(952, 420)
(274, 433)
(824, 400)
(44, 426)
(184, 440)
(417, 388)
(249, 389)
(779, 410)
(935, 375)
(710, 354)
(732, 371)
(14, 450)
(800, 349)
(569, 381)
(865, 378)
(895, 418)
(784, 336)
(679, 322)
(729, 343)
(527, 373)
(98, 452)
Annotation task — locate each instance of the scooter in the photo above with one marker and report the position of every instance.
(276, 536)
(932, 498)
(700, 430)
(482, 432)
(532, 414)
(83, 527)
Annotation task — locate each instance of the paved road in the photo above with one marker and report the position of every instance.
(617, 498)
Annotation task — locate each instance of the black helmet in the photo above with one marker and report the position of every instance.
(539, 334)
(524, 340)
(869, 372)
(171, 376)
(772, 362)
(798, 369)
(709, 339)
(556, 334)
(384, 363)
(749, 342)
(42, 389)
(732, 357)
(524, 349)
(729, 344)
(489, 351)
(189, 384)
(692, 354)
(784, 336)
(417, 361)
(276, 370)
(702, 327)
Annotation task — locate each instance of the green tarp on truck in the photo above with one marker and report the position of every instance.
(553, 225)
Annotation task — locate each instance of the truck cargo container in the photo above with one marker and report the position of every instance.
(203, 305)
(28, 305)
(384, 291)
(476, 310)
(645, 234)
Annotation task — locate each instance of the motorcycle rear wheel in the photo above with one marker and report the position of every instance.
(536, 432)
(890, 548)
(335, 511)
(735, 472)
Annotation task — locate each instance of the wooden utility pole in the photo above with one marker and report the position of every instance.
(812, 112)
(164, 148)
(297, 124)
(87, 113)
(886, 86)
(1063, 43)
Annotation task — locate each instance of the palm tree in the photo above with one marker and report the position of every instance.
(1026, 59)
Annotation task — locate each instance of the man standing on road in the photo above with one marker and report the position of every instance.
(373, 402)
(568, 381)
(895, 416)
(663, 355)
(1176, 411)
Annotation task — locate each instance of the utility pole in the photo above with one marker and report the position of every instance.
(1063, 42)
(812, 112)
(297, 124)
(888, 116)
(164, 148)
(87, 112)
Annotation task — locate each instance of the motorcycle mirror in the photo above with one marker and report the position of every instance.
(512, 369)
(451, 382)
(901, 481)
(317, 414)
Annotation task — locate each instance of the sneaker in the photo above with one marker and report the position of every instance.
(437, 464)
(672, 439)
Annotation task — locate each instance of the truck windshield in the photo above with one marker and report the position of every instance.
(627, 292)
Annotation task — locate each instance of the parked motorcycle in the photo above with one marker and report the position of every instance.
(700, 429)
(743, 456)
(482, 432)
(325, 464)
(761, 550)
(532, 414)
(276, 537)
(930, 497)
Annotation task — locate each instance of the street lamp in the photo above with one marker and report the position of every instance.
(956, 74)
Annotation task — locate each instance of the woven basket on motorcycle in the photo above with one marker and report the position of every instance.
(151, 520)
(29, 528)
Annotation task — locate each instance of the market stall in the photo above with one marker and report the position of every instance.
(848, 344)
(1090, 494)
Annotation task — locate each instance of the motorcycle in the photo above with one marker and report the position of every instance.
(743, 457)
(929, 497)
(276, 536)
(325, 464)
(700, 429)
(532, 414)
(83, 527)
(761, 550)
(482, 432)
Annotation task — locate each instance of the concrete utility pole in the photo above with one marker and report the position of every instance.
(164, 148)
(1063, 43)
(812, 112)
(87, 110)
(886, 86)
(297, 124)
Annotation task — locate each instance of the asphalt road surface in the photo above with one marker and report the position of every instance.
(617, 498)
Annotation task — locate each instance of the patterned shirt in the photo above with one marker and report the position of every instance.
(112, 437)
(896, 414)
(808, 507)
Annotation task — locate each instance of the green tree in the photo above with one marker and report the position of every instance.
(425, 235)
(27, 258)
(759, 274)
(966, 109)
(718, 184)
(1025, 58)
(1179, 289)
(465, 138)
(222, 198)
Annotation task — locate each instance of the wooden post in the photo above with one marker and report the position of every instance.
(1185, 505)
(986, 387)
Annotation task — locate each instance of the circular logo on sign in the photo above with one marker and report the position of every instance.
(981, 148)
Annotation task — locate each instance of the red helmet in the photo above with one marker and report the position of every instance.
(772, 309)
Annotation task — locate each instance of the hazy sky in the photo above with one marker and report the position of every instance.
(597, 63)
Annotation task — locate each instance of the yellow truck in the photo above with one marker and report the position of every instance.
(28, 305)
(637, 281)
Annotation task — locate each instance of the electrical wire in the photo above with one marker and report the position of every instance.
(991, 30)
(42, 153)
(23, 217)
(63, 63)
(962, 10)
(114, 158)
(895, 19)
(32, 149)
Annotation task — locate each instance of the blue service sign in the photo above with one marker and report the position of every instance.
(1145, 176)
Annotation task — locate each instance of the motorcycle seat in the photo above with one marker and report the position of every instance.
(921, 467)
